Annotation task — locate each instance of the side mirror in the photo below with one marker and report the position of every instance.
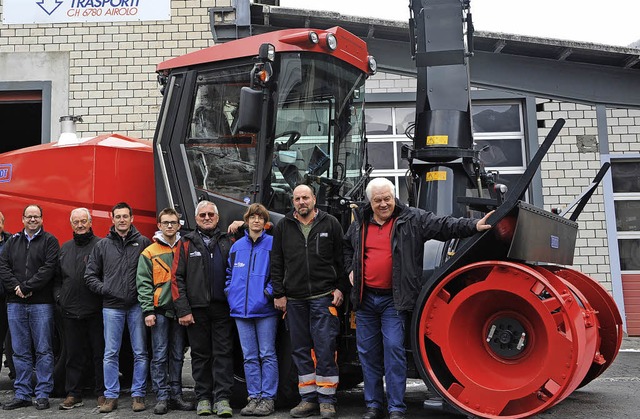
(249, 111)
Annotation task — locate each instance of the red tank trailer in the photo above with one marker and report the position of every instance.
(96, 174)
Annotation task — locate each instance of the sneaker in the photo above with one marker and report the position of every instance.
(250, 408)
(138, 404)
(161, 407)
(180, 403)
(222, 408)
(109, 405)
(101, 400)
(204, 408)
(304, 409)
(42, 404)
(70, 402)
(16, 404)
(265, 408)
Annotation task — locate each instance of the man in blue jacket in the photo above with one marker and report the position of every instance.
(27, 268)
(111, 272)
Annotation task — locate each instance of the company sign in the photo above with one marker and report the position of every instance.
(6, 171)
(73, 11)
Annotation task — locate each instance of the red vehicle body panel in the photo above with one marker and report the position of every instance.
(351, 49)
(96, 174)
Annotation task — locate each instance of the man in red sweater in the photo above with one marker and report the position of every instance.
(384, 249)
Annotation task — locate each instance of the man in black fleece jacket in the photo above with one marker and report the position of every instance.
(27, 268)
(307, 272)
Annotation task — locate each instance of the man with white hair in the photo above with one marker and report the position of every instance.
(384, 249)
(201, 306)
(81, 312)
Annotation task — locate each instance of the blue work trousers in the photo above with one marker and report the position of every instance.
(314, 326)
(380, 341)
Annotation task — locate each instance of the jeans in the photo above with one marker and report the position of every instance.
(167, 342)
(31, 325)
(314, 324)
(114, 320)
(84, 343)
(380, 341)
(211, 340)
(258, 341)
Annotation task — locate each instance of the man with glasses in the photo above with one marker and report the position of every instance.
(202, 306)
(154, 295)
(111, 273)
(81, 312)
(27, 268)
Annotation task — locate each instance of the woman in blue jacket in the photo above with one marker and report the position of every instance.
(249, 291)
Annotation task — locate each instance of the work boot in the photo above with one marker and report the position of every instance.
(250, 408)
(222, 408)
(304, 409)
(70, 402)
(373, 413)
(204, 408)
(138, 404)
(265, 408)
(109, 405)
(179, 403)
(396, 415)
(327, 410)
(16, 404)
(101, 400)
(161, 407)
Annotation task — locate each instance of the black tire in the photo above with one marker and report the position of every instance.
(288, 394)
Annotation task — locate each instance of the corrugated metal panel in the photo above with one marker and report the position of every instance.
(631, 291)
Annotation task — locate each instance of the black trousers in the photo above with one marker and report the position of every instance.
(211, 341)
(5, 337)
(84, 343)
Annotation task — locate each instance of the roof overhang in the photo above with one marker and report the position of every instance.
(565, 70)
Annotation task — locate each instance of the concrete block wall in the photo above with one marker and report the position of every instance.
(568, 169)
(390, 83)
(112, 80)
(623, 131)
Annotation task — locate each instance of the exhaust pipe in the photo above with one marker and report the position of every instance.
(68, 134)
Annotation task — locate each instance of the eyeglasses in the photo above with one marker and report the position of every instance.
(78, 222)
(32, 217)
(169, 223)
(207, 214)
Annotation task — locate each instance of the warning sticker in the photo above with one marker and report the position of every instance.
(433, 176)
(437, 139)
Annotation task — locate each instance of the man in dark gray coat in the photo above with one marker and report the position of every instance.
(111, 272)
(384, 249)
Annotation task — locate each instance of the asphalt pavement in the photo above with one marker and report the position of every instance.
(613, 395)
